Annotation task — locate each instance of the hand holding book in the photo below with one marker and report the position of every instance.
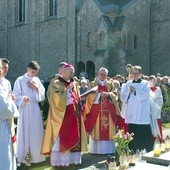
(92, 90)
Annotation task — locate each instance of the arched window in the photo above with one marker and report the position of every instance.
(135, 42)
(21, 10)
(88, 39)
(90, 67)
(101, 36)
(124, 40)
(52, 7)
(80, 68)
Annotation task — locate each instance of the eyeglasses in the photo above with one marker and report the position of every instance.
(102, 74)
(153, 81)
(135, 73)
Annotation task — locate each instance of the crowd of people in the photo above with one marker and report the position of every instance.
(79, 112)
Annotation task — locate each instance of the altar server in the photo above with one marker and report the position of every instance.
(8, 110)
(136, 95)
(29, 90)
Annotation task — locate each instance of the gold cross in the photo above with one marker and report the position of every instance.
(104, 122)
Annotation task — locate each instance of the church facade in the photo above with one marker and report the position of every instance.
(87, 33)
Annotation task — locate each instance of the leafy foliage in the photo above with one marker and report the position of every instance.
(122, 140)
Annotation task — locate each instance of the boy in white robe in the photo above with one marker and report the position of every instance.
(8, 90)
(156, 106)
(28, 91)
(8, 110)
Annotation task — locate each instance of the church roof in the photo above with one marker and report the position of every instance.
(107, 21)
(107, 5)
(78, 4)
(100, 51)
(111, 5)
(127, 52)
(119, 3)
(118, 23)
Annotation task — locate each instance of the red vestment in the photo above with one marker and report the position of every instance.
(103, 111)
(69, 132)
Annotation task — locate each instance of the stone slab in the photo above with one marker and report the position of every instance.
(163, 159)
(147, 166)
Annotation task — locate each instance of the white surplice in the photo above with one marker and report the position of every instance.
(138, 104)
(30, 125)
(123, 104)
(156, 103)
(6, 85)
(8, 110)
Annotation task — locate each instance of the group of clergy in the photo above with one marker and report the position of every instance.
(68, 124)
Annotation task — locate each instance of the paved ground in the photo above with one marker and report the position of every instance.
(89, 161)
(166, 132)
(93, 162)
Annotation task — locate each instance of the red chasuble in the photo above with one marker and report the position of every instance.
(69, 132)
(103, 111)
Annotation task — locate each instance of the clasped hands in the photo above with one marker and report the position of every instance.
(11, 96)
(103, 94)
(32, 85)
(26, 100)
(132, 89)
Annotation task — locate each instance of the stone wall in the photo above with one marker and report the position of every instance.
(74, 37)
(137, 23)
(48, 40)
(160, 39)
(93, 34)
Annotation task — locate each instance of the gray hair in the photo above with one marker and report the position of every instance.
(83, 81)
(103, 69)
(62, 64)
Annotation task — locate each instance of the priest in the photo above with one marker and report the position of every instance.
(101, 111)
(65, 133)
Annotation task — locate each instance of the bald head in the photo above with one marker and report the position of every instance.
(61, 67)
(68, 72)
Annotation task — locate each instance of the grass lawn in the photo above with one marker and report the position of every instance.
(39, 166)
(166, 125)
(43, 166)
(87, 159)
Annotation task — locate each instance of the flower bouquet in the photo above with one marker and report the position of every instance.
(122, 140)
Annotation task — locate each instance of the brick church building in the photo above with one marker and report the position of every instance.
(87, 33)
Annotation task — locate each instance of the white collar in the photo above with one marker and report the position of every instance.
(102, 82)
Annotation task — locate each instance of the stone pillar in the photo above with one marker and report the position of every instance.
(70, 32)
(33, 27)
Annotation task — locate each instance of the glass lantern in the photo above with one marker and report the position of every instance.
(123, 159)
(163, 146)
(167, 143)
(157, 148)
